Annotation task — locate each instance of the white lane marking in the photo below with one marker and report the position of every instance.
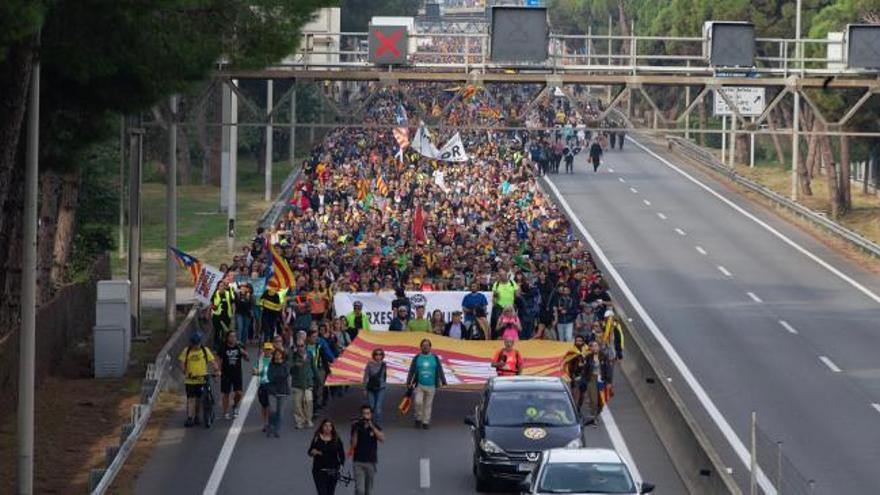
(833, 367)
(620, 444)
(680, 232)
(621, 179)
(754, 297)
(424, 472)
(611, 170)
(738, 446)
(701, 250)
(662, 216)
(634, 190)
(724, 271)
(647, 203)
(792, 330)
(876, 406)
(231, 438)
(824, 264)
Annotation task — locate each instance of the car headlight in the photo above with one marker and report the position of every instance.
(490, 447)
(575, 444)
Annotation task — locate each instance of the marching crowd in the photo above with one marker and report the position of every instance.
(361, 219)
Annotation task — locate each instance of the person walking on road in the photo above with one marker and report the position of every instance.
(303, 374)
(375, 379)
(194, 360)
(425, 377)
(356, 320)
(278, 390)
(261, 371)
(231, 355)
(507, 361)
(596, 155)
(576, 367)
(365, 437)
(328, 457)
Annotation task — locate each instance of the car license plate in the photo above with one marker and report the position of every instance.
(526, 467)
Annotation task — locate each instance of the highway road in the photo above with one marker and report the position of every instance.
(235, 457)
(758, 314)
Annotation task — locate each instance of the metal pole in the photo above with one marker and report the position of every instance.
(135, 179)
(723, 137)
(795, 159)
(225, 131)
(687, 116)
(121, 247)
(270, 100)
(233, 169)
(292, 142)
(171, 220)
(752, 146)
(27, 338)
(610, 60)
(753, 467)
(797, 36)
(732, 147)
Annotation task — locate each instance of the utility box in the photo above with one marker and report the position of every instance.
(863, 47)
(729, 43)
(112, 332)
(111, 351)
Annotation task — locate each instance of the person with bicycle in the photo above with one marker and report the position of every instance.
(231, 355)
(194, 360)
(328, 457)
(365, 438)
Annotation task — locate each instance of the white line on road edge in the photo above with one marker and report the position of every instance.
(231, 438)
(824, 264)
(620, 444)
(647, 203)
(754, 297)
(424, 472)
(662, 216)
(611, 170)
(833, 367)
(701, 250)
(680, 232)
(738, 446)
(634, 190)
(621, 179)
(724, 271)
(788, 327)
(876, 406)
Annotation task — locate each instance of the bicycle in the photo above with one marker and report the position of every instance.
(208, 414)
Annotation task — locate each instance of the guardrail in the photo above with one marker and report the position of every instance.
(704, 157)
(159, 374)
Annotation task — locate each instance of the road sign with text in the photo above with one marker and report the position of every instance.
(389, 45)
(749, 101)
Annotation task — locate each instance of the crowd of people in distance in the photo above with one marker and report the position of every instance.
(361, 218)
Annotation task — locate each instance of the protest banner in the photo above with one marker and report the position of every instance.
(466, 363)
(207, 282)
(377, 306)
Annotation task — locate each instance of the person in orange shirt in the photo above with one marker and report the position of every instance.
(507, 361)
(317, 303)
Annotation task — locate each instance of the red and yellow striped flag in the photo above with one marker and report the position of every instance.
(281, 275)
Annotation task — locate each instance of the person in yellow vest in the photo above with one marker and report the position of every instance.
(612, 345)
(222, 308)
(271, 313)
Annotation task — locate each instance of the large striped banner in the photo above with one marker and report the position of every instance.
(465, 362)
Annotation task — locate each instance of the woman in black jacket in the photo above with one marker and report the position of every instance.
(278, 389)
(328, 456)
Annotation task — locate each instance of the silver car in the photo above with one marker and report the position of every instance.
(582, 471)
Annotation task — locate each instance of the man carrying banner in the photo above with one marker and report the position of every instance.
(425, 377)
(507, 361)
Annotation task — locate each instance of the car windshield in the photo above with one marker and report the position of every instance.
(585, 477)
(523, 407)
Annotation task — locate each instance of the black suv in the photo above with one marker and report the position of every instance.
(517, 418)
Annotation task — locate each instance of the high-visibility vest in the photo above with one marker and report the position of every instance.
(219, 299)
(271, 302)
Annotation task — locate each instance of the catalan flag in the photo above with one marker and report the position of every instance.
(381, 185)
(188, 262)
(280, 274)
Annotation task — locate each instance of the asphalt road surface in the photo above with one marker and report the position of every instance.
(783, 327)
(195, 460)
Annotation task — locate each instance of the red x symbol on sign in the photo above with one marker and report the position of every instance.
(388, 44)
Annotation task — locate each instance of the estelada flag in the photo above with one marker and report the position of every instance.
(188, 262)
(405, 402)
(280, 274)
(381, 185)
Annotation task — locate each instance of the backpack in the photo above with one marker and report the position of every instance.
(374, 381)
(186, 359)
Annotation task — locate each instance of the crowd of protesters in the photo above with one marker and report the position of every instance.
(352, 225)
